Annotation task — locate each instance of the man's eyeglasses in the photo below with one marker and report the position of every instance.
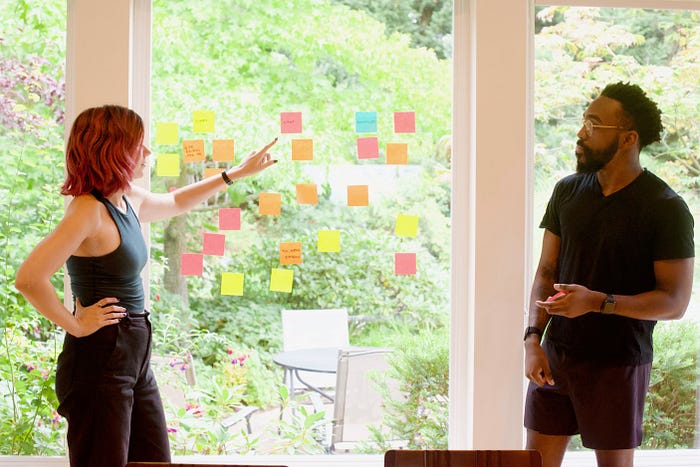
(590, 126)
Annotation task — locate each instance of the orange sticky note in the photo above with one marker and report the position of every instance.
(222, 150)
(203, 121)
(307, 193)
(358, 195)
(397, 153)
(193, 150)
(270, 204)
(232, 283)
(191, 264)
(404, 122)
(215, 172)
(166, 133)
(290, 122)
(406, 225)
(281, 280)
(290, 253)
(302, 149)
(168, 165)
(368, 148)
(329, 241)
(230, 219)
(214, 244)
(405, 263)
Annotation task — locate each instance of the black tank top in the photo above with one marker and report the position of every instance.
(116, 274)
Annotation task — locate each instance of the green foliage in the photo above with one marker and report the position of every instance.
(419, 416)
(671, 406)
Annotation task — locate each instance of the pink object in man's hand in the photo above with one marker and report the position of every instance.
(555, 296)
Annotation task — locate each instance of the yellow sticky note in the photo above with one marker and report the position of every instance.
(302, 149)
(281, 280)
(222, 150)
(232, 283)
(358, 195)
(215, 172)
(168, 165)
(290, 253)
(166, 133)
(193, 150)
(406, 225)
(397, 153)
(307, 193)
(270, 204)
(203, 121)
(329, 241)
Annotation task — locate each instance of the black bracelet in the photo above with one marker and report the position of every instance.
(224, 175)
(532, 330)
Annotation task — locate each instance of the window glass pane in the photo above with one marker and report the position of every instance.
(355, 215)
(577, 52)
(32, 102)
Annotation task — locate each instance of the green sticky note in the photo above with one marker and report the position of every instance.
(232, 283)
(168, 165)
(166, 133)
(329, 241)
(406, 225)
(281, 280)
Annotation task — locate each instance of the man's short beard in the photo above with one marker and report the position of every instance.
(592, 160)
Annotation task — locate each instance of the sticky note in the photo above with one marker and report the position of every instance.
(358, 195)
(166, 133)
(193, 150)
(232, 283)
(270, 204)
(290, 122)
(365, 122)
(222, 150)
(307, 193)
(367, 148)
(203, 121)
(191, 264)
(329, 241)
(290, 253)
(406, 225)
(168, 165)
(404, 263)
(230, 219)
(214, 244)
(215, 172)
(302, 149)
(281, 280)
(397, 153)
(404, 122)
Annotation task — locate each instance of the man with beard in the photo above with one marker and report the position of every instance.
(618, 254)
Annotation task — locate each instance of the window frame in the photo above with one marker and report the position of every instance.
(486, 372)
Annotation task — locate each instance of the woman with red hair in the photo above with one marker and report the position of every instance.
(105, 387)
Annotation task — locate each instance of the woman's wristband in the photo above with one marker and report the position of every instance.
(224, 175)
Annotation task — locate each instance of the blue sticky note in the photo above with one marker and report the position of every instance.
(366, 122)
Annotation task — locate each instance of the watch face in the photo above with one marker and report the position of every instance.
(609, 307)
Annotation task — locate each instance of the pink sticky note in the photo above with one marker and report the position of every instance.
(405, 263)
(214, 244)
(230, 219)
(404, 122)
(191, 264)
(368, 148)
(290, 122)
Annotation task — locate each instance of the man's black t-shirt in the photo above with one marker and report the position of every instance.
(609, 244)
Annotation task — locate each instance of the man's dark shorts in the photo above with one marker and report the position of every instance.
(604, 404)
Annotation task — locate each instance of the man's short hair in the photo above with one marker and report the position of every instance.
(642, 113)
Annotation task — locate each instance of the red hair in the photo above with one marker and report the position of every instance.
(100, 154)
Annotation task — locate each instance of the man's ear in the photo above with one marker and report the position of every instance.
(630, 138)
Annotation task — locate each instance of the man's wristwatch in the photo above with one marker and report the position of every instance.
(608, 305)
(532, 330)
